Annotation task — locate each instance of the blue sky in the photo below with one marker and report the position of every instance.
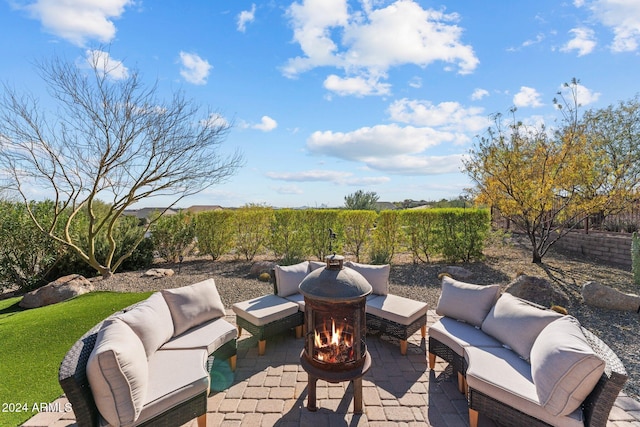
(329, 97)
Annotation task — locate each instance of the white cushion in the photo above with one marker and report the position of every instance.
(118, 372)
(298, 299)
(376, 275)
(151, 321)
(501, 374)
(210, 335)
(457, 335)
(397, 309)
(516, 323)
(288, 277)
(314, 265)
(175, 376)
(265, 309)
(193, 305)
(466, 302)
(564, 367)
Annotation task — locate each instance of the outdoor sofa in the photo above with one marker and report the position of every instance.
(275, 313)
(522, 364)
(148, 365)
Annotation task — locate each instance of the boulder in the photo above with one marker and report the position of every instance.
(599, 295)
(457, 273)
(537, 290)
(260, 267)
(59, 290)
(159, 273)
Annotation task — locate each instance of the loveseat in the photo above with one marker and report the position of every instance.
(522, 364)
(386, 313)
(148, 365)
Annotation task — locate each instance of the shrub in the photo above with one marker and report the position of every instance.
(318, 222)
(386, 237)
(357, 227)
(635, 257)
(418, 225)
(252, 229)
(215, 232)
(288, 238)
(26, 254)
(173, 235)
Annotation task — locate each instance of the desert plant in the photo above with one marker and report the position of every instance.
(172, 235)
(635, 257)
(215, 232)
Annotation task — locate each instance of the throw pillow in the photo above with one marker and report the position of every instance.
(193, 305)
(376, 275)
(517, 323)
(288, 278)
(564, 367)
(465, 301)
(118, 372)
(151, 321)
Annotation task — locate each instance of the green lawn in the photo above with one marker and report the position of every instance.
(33, 343)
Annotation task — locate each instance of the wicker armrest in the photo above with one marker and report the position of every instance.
(600, 401)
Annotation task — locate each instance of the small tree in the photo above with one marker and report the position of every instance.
(361, 200)
(357, 226)
(252, 229)
(215, 232)
(107, 136)
(173, 235)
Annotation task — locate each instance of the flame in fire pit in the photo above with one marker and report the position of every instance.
(334, 346)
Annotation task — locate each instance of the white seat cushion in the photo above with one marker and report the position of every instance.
(457, 335)
(288, 278)
(151, 321)
(265, 309)
(564, 367)
(210, 335)
(397, 309)
(467, 302)
(499, 373)
(298, 298)
(118, 373)
(376, 275)
(516, 323)
(193, 305)
(175, 376)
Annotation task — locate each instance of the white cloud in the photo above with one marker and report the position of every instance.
(194, 69)
(622, 16)
(288, 189)
(106, 64)
(584, 95)
(420, 165)
(358, 86)
(78, 21)
(366, 43)
(215, 120)
(246, 16)
(448, 116)
(478, 94)
(527, 97)
(415, 82)
(583, 41)
(266, 124)
(337, 177)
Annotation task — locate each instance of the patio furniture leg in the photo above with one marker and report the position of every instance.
(462, 384)
(473, 418)
(299, 331)
(357, 396)
(423, 331)
(232, 362)
(202, 420)
(311, 394)
(239, 331)
(403, 347)
(432, 360)
(262, 347)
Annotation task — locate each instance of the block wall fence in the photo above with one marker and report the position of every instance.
(611, 247)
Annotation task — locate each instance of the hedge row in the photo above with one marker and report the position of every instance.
(291, 235)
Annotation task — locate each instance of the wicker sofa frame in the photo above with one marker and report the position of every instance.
(596, 407)
(72, 376)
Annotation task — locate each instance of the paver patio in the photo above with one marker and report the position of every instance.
(271, 390)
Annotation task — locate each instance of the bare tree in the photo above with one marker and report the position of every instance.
(108, 137)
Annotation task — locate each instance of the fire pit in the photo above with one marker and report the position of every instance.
(335, 322)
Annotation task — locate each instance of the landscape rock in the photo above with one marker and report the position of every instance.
(599, 295)
(59, 290)
(457, 273)
(260, 267)
(537, 290)
(159, 273)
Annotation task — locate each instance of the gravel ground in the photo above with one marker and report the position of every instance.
(504, 260)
